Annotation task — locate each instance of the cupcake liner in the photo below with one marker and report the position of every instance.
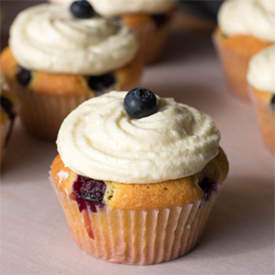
(235, 68)
(151, 39)
(266, 119)
(42, 114)
(137, 236)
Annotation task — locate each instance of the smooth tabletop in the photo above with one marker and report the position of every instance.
(239, 238)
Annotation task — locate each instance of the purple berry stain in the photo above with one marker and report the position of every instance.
(208, 186)
(89, 194)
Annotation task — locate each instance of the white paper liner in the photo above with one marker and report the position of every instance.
(235, 68)
(42, 114)
(266, 120)
(137, 236)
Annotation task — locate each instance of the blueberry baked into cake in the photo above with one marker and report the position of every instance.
(137, 176)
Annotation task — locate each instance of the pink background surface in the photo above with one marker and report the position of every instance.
(239, 237)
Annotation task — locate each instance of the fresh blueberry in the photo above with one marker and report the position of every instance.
(82, 9)
(140, 102)
(89, 192)
(160, 19)
(101, 83)
(272, 103)
(7, 106)
(23, 76)
(208, 186)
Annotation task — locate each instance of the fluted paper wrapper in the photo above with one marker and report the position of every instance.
(266, 119)
(137, 236)
(42, 114)
(235, 67)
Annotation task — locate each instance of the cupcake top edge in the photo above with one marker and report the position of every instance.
(100, 140)
(48, 37)
(261, 72)
(248, 17)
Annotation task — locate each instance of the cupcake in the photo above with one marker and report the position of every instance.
(150, 20)
(59, 57)
(245, 28)
(137, 176)
(7, 116)
(261, 78)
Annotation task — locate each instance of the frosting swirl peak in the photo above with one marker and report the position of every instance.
(248, 17)
(261, 73)
(47, 37)
(100, 141)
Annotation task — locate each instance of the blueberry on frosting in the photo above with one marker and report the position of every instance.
(140, 102)
(23, 76)
(82, 9)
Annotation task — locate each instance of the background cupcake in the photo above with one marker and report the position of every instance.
(138, 184)
(261, 78)
(7, 116)
(150, 20)
(245, 28)
(79, 55)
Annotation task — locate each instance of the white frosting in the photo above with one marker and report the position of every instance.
(119, 7)
(250, 17)
(47, 37)
(100, 141)
(261, 73)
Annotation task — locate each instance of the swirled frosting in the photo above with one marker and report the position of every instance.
(261, 73)
(248, 17)
(100, 141)
(47, 37)
(119, 7)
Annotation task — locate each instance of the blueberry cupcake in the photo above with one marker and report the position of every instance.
(7, 116)
(138, 183)
(58, 57)
(245, 27)
(149, 19)
(261, 78)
